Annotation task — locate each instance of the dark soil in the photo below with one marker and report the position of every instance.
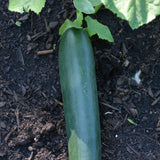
(32, 122)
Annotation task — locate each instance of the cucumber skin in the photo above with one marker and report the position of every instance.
(79, 93)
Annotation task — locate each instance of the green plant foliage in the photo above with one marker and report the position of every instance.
(54, 46)
(69, 24)
(94, 27)
(26, 5)
(136, 12)
(66, 25)
(132, 122)
(95, 2)
(18, 23)
(79, 19)
(86, 6)
(96, 8)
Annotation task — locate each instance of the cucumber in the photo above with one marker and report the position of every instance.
(79, 93)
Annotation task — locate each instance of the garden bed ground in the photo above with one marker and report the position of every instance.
(32, 122)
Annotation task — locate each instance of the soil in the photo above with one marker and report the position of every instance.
(32, 122)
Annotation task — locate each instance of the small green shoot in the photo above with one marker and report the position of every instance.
(54, 46)
(18, 23)
(132, 122)
(57, 101)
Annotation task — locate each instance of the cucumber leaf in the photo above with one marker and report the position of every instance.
(136, 12)
(94, 27)
(97, 7)
(86, 6)
(26, 5)
(95, 2)
(67, 25)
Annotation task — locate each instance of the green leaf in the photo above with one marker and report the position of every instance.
(132, 122)
(136, 12)
(79, 18)
(96, 8)
(86, 6)
(26, 5)
(66, 25)
(54, 46)
(69, 24)
(18, 23)
(94, 27)
(95, 2)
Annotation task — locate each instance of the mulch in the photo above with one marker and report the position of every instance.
(32, 124)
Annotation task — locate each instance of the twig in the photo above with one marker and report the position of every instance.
(31, 155)
(132, 149)
(8, 135)
(127, 108)
(155, 101)
(108, 105)
(31, 22)
(17, 118)
(38, 35)
(44, 52)
(150, 92)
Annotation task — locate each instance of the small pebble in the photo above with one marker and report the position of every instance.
(53, 25)
(7, 69)
(48, 46)
(49, 10)
(2, 125)
(2, 104)
(28, 37)
(30, 148)
(50, 39)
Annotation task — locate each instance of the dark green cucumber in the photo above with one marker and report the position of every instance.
(79, 92)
